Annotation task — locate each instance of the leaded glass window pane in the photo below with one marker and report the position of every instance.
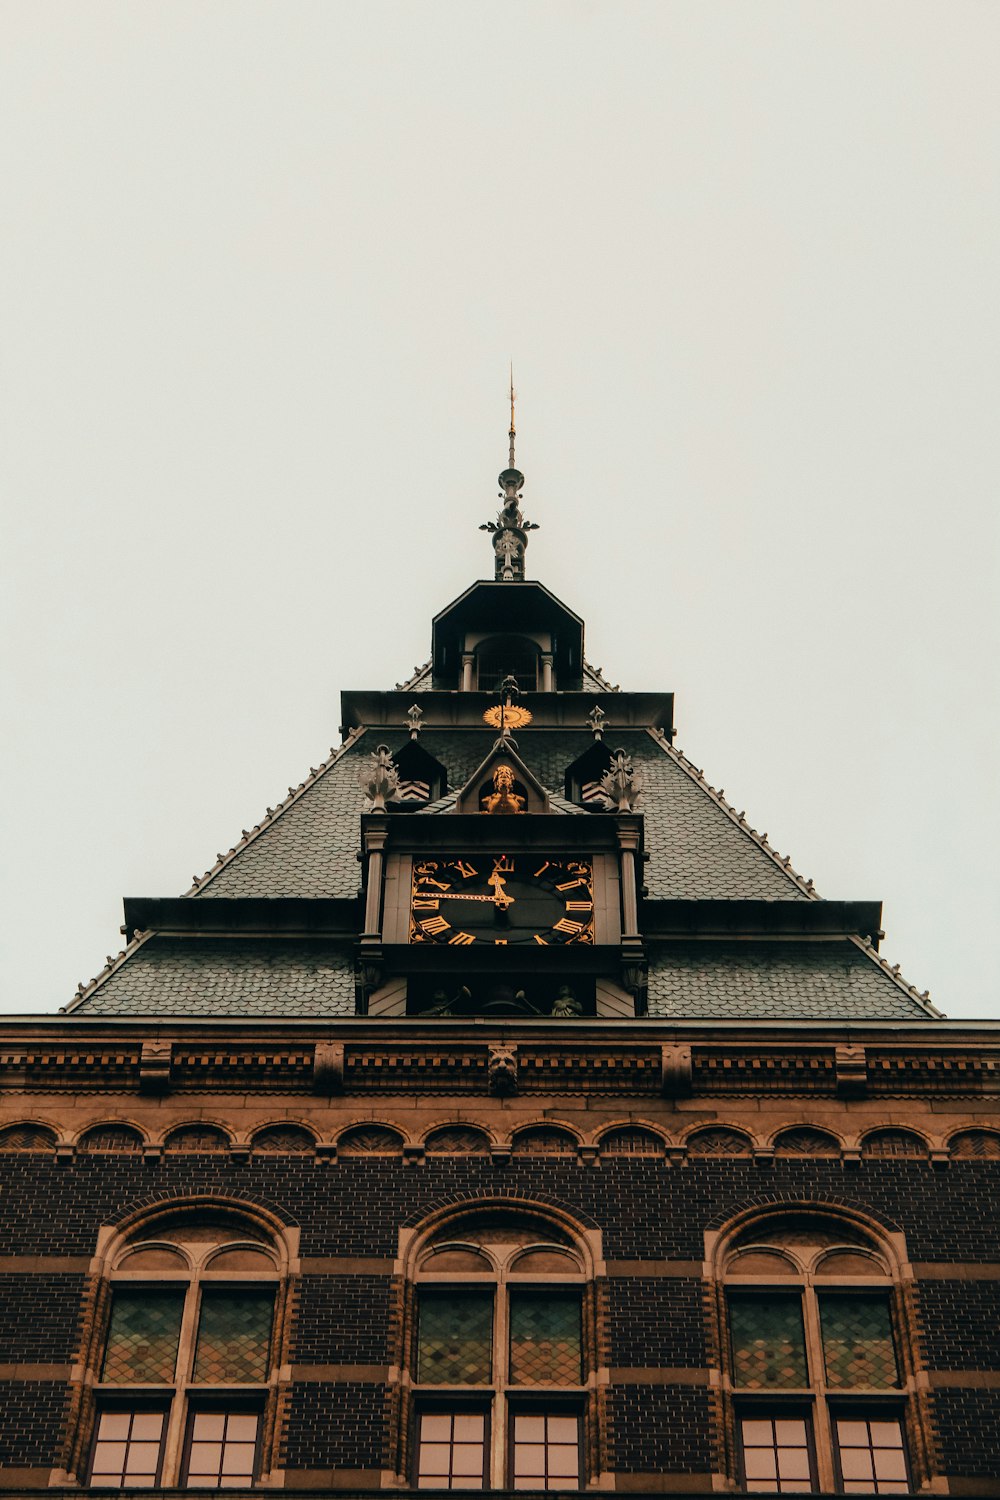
(455, 1338)
(127, 1449)
(857, 1342)
(768, 1344)
(142, 1338)
(546, 1451)
(451, 1453)
(545, 1338)
(223, 1448)
(776, 1455)
(872, 1456)
(233, 1335)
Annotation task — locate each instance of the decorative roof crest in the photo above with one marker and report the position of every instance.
(510, 529)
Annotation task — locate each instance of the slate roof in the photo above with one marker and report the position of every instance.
(221, 977)
(777, 981)
(698, 849)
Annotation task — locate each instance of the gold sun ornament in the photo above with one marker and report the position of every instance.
(513, 716)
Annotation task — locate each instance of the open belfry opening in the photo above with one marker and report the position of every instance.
(501, 1112)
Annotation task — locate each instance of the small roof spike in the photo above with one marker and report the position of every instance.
(510, 530)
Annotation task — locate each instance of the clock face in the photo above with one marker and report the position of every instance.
(499, 899)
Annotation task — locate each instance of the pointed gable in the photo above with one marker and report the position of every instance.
(503, 784)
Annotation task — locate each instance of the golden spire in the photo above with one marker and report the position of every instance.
(513, 396)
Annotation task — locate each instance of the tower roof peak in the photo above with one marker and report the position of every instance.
(510, 529)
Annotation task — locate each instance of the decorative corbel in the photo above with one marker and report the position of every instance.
(852, 1071)
(328, 1068)
(154, 1067)
(675, 1070)
(502, 1070)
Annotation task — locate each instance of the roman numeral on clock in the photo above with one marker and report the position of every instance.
(571, 885)
(434, 925)
(567, 924)
(426, 903)
(461, 939)
(579, 906)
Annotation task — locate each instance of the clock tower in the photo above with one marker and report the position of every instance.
(502, 1111)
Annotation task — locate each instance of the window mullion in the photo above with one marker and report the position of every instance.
(499, 1441)
(822, 1430)
(173, 1445)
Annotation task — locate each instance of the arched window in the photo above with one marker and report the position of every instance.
(719, 1140)
(27, 1136)
(497, 1356)
(507, 656)
(196, 1138)
(457, 1140)
(815, 1369)
(544, 1140)
(806, 1140)
(370, 1140)
(188, 1358)
(110, 1137)
(283, 1140)
(631, 1140)
(894, 1142)
(970, 1144)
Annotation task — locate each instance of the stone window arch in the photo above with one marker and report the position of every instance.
(370, 1140)
(284, 1139)
(27, 1135)
(719, 1140)
(806, 1140)
(197, 1137)
(189, 1342)
(545, 1140)
(632, 1140)
(971, 1144)
(499, 1352)
(818, 1357)
(894, 1142)
(112, 1136)
(457, 1140)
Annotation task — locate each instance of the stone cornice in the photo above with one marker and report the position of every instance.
(360, 1057)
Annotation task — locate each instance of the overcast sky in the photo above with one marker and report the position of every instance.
(263, 267)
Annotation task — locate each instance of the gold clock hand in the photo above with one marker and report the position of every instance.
(501, 899)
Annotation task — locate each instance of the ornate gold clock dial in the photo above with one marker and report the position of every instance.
(501, 899)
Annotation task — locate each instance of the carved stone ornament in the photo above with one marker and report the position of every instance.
(621, 784)
(413, 716)
(502, 1070)
(379, 780)
(596, 719)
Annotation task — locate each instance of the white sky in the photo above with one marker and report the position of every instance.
(263, 266)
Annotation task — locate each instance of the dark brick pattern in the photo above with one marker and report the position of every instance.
(343, 1319)
(33, 1413)
(962, 1324)
(661, 1429)
(651, 1322)
(969, 1427)
(39, 1318)
(335, 1425)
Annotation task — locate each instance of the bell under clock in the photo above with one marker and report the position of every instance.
(497, 900)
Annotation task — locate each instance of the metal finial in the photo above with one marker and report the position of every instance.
(513, 431)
